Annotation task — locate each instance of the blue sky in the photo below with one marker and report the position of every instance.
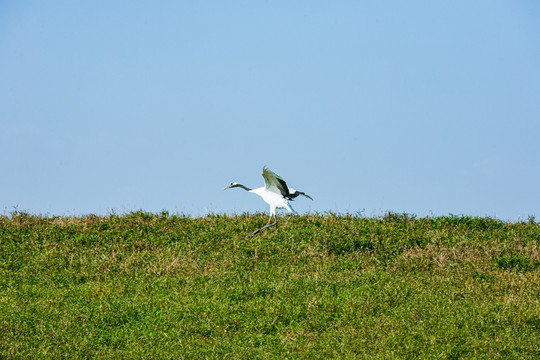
(430, 108)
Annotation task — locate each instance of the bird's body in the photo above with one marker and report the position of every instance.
(275, 193)
(276, 201)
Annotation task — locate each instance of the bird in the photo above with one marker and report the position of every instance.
(275, 193)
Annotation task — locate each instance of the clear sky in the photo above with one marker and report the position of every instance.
(424, 107)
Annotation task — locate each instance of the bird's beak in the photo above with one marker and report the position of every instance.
(225, 188)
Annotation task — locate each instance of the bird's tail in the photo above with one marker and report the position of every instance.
(292, 210)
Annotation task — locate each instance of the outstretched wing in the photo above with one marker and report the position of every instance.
(274, 183)
(295, 193)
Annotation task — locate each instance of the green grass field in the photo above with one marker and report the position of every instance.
(157, 286)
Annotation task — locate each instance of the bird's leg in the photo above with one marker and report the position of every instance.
(257, 231)
(264, 227)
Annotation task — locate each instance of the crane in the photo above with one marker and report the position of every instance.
(275, 193)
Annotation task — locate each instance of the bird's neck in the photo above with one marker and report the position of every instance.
(243, 187)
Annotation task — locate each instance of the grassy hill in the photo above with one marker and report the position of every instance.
(167, 287)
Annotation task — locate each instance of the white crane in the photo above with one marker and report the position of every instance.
(275, 193)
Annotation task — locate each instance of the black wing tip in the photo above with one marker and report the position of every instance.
(283, 187)
(298, 193)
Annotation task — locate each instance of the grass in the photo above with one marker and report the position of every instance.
(157, 286)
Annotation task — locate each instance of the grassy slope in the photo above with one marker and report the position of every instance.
(159, 286)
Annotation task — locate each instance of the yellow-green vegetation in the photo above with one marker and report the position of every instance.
(157, 286)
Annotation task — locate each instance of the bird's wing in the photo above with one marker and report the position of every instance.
(295, 193)
(274, 183)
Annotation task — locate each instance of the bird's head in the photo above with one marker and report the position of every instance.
(233, 184)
